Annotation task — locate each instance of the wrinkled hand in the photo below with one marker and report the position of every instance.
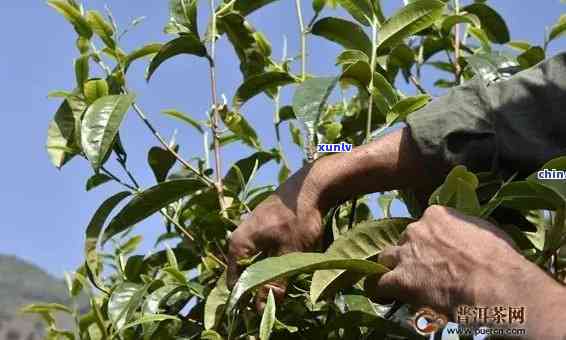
(447, 259)
(289, 220)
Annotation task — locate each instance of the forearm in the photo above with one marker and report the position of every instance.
(525, 285)
(391, 162)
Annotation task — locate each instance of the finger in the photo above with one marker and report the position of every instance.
(277, 287)
(389, 287)
(372, 292)
(240, 248)
(390, 257)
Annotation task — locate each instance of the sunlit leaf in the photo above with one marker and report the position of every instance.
(94, 89)
(184, 12)
(216, 303)
(102, 28)
(362, 242)
(409, 20)
(310, 98)
(236, 123)
(144, 51)
(150, 319)
(268, 318)
(100, 126)
(73, 15)
(124, 301)
(61, 135)
(559, 29)
(274, 268)
(185, 118)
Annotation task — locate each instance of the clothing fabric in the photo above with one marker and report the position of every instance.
(506, 127)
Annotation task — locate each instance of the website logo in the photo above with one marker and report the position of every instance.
(426, 321)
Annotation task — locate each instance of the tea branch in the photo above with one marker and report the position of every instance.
(373, 60)
(457, 68)
(150, 126)
(215, 121)
(303, 39)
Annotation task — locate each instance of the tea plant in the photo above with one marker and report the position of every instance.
(180, 292)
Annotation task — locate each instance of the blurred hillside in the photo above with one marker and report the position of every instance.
(23, 283)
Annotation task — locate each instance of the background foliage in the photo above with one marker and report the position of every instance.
(180, 292)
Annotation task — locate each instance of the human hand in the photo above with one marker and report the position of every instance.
(290, 220)
(447, 259)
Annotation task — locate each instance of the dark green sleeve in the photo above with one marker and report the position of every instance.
(510, 126)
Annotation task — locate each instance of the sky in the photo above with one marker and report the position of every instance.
(44, 211)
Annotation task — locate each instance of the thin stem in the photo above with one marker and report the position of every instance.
(417, 84)
(372, 70)
(166, 145)
(146, 121)
(276, 124)
(116, 179)
(137, 189)
(303, 39)
(216, 114)
(122, 161)
(457, 68)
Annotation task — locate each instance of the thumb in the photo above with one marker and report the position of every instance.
(278, 287)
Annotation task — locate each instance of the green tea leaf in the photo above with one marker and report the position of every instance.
(216, 303)
(240, 33)
(144, 51)
(451, 20)
(406, 106)
(124, 301)
(259, 83)
(150, 319)
(100, 126)
(559, 29)
(73, 15)
(103, 29)
(458, 191)
(531, 57)
(45, 307)
(82, 70)
(184, 12)
(362, 242)
(148, 202)
(94, 229)
(348, 57)
(361, 10)
(62, 144)
(246, 7)
(409, 20)
(186, 44)
(161, 161)
(236, 123)
(185, 118)
(343, 32)
(94, 89)
(491, 22)
(274, 268)
(96, 180)
(268, 318)
(210, 335)
(310, 98)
